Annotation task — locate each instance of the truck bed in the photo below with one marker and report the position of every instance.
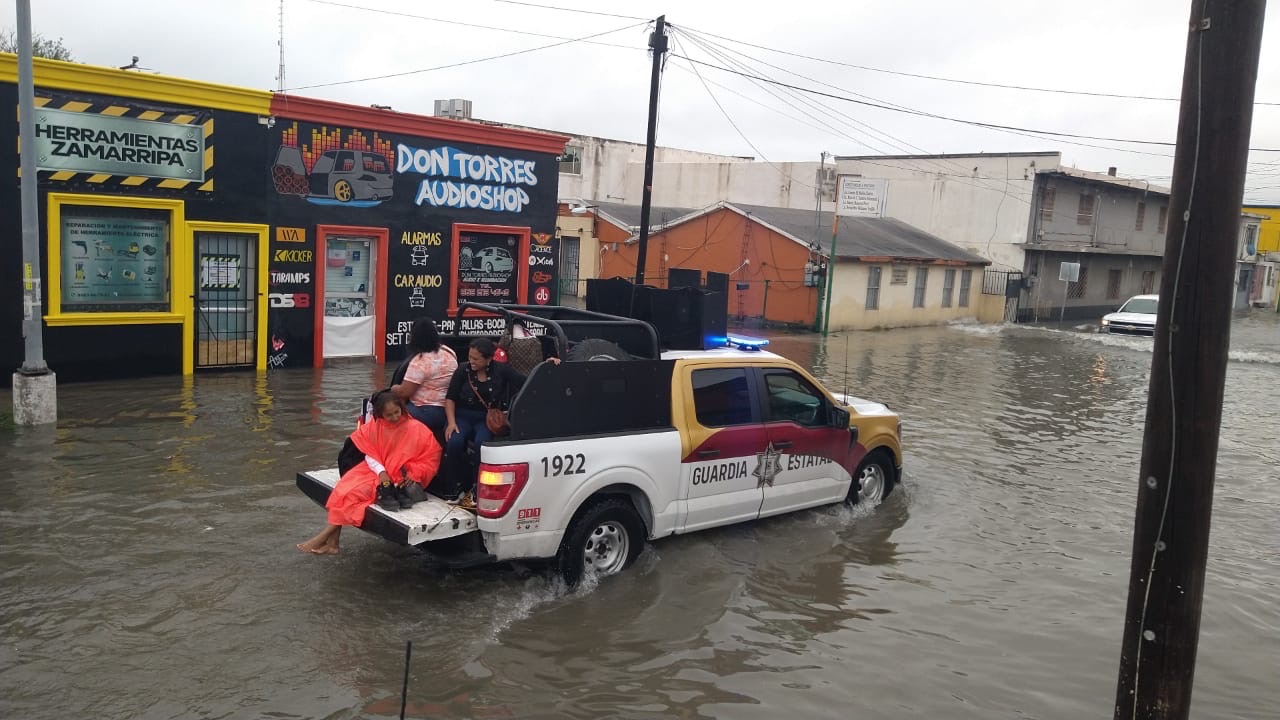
(425, 522)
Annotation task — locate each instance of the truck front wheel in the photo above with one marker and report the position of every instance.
(603, 539)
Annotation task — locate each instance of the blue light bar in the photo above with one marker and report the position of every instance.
(746, 342)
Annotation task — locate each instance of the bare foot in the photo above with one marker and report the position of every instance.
(303, 547)
(325, 550)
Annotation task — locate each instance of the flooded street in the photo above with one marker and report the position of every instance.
(149, 568)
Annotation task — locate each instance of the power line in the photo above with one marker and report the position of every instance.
(947, 79)
(576, 10)
(935, 116)
(869, 68)
(464, 62)
(894, 142)
(463, 24)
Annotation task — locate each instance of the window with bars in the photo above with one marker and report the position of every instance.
(948, 286)
(1163, 220)
(1076, 289)
(1084, 213)
(1113, 283)
(966, 280)
(922, 280)
(1142, 216)
(571, 160)
(873, 288)
(1047, 202)
(1148, 282)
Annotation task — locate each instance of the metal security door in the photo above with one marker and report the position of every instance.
(569, 266)
(226, 299)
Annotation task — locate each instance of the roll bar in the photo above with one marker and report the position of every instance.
(568, 325)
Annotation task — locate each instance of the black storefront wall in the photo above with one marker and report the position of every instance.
(86, 352)
(303, 181)
(426, 252)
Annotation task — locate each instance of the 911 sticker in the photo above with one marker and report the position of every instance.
(528, 518)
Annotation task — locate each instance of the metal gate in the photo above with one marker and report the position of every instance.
(1008, 284)
(226, 299)
(569, 248)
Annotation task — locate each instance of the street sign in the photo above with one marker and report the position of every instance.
(1069, 272)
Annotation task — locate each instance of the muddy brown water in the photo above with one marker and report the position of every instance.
(149, 569)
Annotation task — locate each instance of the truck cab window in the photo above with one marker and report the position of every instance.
(792, 398)
(721, 398)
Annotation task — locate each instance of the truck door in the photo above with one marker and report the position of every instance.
(812, 460)
(717, 482)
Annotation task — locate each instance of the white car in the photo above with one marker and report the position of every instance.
(1136, 317)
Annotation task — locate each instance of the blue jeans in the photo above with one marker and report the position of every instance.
(432, 416)
(471, 428)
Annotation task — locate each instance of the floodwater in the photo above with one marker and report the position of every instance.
(149, 568)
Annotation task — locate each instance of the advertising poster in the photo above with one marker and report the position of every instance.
(487, 269)
(114, 261)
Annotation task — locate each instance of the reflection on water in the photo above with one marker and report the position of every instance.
(149, 568)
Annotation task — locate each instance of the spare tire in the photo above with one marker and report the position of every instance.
(597, 349)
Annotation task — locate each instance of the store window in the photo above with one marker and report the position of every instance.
(114, 259)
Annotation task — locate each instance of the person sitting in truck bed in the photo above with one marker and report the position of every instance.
(396, 449)
(428, 375)
(477, 385)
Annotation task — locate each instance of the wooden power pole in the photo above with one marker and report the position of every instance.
(658, 44)
(1188, 365)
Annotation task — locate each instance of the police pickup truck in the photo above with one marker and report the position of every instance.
(605, 456)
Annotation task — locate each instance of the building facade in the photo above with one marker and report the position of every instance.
(189, 226)
(1110, 230)
(775, 274)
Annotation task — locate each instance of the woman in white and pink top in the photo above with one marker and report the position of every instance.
(427, 379)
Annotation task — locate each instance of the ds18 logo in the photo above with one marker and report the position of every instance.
(289, 300)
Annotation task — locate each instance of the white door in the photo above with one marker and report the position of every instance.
(349, 312)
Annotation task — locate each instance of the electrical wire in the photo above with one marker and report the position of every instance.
(959, 81)
(869, 68)
(737, 129)
(575, 10)
(464, 62)
(464, 24)
(976, 123)
(893, 142)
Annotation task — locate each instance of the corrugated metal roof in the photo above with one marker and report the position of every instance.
(629, 215)
(1104, 178)
(861, 237)
(858, 237)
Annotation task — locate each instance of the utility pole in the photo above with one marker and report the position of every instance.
(658, 45)
(1188, 365)
(35, 398)
(817, 228)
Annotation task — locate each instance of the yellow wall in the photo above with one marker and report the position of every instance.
(1269, 230)
(849, 295)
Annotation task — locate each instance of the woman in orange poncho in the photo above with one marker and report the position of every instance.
(396, 448)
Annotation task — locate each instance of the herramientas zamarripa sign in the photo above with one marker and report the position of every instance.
(84, 142)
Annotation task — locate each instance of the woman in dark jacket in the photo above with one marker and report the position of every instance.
(477, 385)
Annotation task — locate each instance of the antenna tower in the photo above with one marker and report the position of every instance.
(280, 42)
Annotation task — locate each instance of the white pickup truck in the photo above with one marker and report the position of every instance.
(604, 456)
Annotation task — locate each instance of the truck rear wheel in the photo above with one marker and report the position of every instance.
(603, 539)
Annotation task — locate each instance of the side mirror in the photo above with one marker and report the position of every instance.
(839, 417)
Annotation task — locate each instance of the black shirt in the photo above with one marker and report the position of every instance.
(502, 384)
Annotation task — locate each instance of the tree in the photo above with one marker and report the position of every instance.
(40, 46)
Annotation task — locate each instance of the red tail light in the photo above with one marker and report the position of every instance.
(498, 487)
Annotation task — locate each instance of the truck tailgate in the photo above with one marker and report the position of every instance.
(433, 519)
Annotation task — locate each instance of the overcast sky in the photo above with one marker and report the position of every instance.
(600, 86)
